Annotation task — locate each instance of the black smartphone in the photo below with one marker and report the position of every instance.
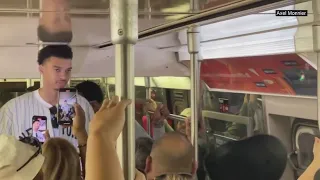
(67, 99)
(39, 126)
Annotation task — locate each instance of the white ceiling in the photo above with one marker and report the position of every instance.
(19, 60)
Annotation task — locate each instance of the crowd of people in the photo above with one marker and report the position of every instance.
(96, 127)
(86, 149)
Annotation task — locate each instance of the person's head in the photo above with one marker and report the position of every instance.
(260, 157)
(153, 94)
(92, 92)
(55, 24)
(55, 65)
(143, 150)
(46, 35)
(35, 125)
(172, 154)
(61, 160)
(18, 160)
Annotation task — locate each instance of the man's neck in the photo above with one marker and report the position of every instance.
(49, 95)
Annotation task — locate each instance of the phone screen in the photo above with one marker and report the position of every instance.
(67, 99)
(39, 126)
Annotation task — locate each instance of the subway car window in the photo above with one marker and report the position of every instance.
(6, 96)
(247, 105)
(303, 133)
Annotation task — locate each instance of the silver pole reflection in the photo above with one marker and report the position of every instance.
(193, 48)
(316, 46)
(124, 34)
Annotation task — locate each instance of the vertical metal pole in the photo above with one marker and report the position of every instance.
(40, 46)
(147, 83)
(194, 5)
(316, 46)
(124, 34)
(28, 7)
(193, 47)
(148, 9)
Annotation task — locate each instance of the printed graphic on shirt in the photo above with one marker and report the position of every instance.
(68, 132)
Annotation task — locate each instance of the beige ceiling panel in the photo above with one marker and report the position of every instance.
(18, 62)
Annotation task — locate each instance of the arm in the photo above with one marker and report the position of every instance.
(310, 172)
(80, 129)
(312, 169)
(102, 159)
(82, 144)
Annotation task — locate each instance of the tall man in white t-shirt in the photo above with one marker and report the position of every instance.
(55, 66)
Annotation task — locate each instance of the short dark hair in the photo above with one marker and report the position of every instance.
(91, 91)
(143, 150)
(45, 36)
(59, 51)
(35, 120)
(262, 157)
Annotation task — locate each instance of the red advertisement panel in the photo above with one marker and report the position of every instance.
(281, 74)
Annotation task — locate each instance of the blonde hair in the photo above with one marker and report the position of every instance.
(175, 177)
(61, 160)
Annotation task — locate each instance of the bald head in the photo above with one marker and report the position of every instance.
(171, 154)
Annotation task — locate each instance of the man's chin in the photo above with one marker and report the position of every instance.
(60, 87)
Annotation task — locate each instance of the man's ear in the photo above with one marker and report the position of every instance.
(148, 164)
(194, 167)
(41, 69)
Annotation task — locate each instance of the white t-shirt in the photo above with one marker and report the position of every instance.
(16, 115)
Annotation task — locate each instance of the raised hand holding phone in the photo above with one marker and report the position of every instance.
(110, 118)
(78, 126)
(67, 100)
